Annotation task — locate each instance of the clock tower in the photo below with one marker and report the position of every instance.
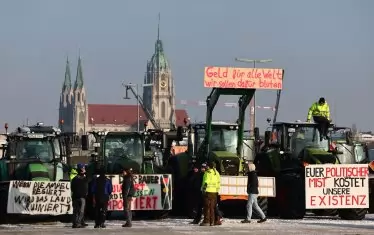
(159, 99)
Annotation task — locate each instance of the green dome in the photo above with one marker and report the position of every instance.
(158, 60)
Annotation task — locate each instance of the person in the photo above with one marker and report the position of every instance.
(197, 180)
(252, 191)
(79, 189)
(128, 192)
(73, 173)
(320, 111)
(210, 187)
(101, 190)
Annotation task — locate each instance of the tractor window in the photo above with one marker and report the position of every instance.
(57, 149)
(35, 148)
(359, 153)
(129, 147)
(306, 137)
(222, 140)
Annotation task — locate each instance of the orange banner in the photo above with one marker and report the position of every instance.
(243, 78)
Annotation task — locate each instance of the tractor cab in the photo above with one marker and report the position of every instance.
(35, 152)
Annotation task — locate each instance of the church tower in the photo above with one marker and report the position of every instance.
(159, 99)
(80, 106)
(66, 101)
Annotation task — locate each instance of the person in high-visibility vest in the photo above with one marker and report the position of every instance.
(320, 111)
(210, 187)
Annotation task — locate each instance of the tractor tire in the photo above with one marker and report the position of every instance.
(352, 214)
(263, 204)
(65, 218)
(326, 212)
(292, 205)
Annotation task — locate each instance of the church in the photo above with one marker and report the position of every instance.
(157, 109)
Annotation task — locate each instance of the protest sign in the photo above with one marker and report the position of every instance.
(337, 186)
(39, 198)
(243, 78)
(152, 192)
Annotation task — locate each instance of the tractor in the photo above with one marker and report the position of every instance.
(222, 143)
(291, 146)
(34, 153)
(115, 151)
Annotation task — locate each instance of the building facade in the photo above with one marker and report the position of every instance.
(76, 115)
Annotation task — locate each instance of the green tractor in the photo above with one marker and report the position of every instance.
(35, 153)
(220, 142)
(288, 149)
(115, 151)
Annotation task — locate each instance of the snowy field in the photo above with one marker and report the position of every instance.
(309, 225)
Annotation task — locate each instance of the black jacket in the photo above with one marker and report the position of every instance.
(128, 188)
(102, 188)
(196, 182)
(252, 185)
(79, 187)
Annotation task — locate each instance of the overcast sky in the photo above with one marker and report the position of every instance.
(325, 47)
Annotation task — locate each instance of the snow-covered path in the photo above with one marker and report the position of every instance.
(308, 225)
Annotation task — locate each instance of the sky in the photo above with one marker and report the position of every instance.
(325, 47)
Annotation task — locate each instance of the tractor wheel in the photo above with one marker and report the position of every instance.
(326, 212)
(352, 214)
(65, 218)
(263, 204)
(292, 205)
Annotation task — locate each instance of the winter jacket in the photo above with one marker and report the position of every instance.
(102, 188)
(252, 184)
(79, 187)
(128, 188)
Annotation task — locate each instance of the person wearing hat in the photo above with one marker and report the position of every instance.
(79, 189)
(101, 189)
(128, 192)
(252, 191)
(210, 187)
(320, 111)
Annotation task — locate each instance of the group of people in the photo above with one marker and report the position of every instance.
(101, 188)
(206, 184)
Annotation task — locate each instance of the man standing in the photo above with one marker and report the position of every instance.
(101, 189)
(320, 111)
(210, 187)
(79, 189)
(198, 195)
(252, 190)
(128, 192)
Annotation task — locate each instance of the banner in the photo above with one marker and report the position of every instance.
(337, 186)
(243, 78)
(39, 198)
(152, 192)
(237, 186)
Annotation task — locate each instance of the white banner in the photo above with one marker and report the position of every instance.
(237, 186)
(152, 192)
(39, 198)
(337, 186)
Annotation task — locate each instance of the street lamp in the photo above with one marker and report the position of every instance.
(252, 104)
(128, 86)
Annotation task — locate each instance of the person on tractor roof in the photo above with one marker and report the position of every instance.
(320, 111)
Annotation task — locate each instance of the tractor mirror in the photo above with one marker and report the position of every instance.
(85, 143)
(267, 137)
(180, 133)
(257, 133)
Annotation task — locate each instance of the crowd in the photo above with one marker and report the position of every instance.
(101, 189)
(205, 182)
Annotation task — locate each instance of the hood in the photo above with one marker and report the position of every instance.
(318, 156)
(228, 163)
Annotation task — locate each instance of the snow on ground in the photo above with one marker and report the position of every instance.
(309, 225)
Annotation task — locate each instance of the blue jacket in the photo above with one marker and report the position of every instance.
(102, 188)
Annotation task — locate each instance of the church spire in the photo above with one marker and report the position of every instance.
(79, 78)
(158, 28)
(67, 81)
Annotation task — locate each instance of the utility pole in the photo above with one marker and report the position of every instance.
(137, 98)
(252, 104)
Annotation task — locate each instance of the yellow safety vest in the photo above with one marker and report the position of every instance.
(73, 173)
(211, 181)
(319, 110)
